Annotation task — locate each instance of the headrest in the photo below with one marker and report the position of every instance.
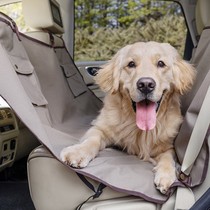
(202, 15)
(43, 14)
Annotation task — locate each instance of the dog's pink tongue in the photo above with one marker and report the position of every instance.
(146, 115)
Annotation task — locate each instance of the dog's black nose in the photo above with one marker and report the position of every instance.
(146, 85)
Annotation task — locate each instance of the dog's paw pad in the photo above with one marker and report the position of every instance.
(164, 180)
(75, 156)
(163, 184)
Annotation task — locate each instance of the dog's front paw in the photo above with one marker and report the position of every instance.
(164, 178)
(76, 156)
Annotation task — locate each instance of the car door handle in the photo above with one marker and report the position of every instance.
(92, 70)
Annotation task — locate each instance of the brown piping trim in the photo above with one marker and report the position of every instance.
(11, 23)
(6, 16)
(207, 27)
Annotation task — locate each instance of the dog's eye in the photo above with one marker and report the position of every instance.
(131, 64)
(161, 64)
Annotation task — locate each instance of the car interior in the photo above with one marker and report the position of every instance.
(48, 102)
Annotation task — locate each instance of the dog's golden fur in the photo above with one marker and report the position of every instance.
(116, 123)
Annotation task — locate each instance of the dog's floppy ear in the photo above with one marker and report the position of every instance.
(184, 75)
(108, 78)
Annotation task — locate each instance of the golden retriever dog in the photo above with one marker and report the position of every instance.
(141, 113)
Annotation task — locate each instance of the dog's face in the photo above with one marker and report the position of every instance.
(146, 71)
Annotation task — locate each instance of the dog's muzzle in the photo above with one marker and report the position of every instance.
(146, 108)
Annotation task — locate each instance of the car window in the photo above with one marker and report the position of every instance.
(103, 27)
(14, 10)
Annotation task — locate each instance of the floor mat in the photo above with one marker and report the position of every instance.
(14, 191)
(15, 196)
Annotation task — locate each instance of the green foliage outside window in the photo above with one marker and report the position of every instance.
(104, 26)
(14, 11)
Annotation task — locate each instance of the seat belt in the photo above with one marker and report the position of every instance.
(198, 135)
(185, 197)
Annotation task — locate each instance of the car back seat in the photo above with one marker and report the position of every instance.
(41, 163)
(185, 107)
(84, 104)
(36, 96)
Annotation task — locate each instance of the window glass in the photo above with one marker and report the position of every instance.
(14, 11)
(104, 26)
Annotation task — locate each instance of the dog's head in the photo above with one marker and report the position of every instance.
(146, 71)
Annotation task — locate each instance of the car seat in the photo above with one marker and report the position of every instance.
(52, 184)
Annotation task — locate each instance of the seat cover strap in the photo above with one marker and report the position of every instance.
(97, 191)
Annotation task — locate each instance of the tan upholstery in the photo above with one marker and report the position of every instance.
(55, 181)
(52, 185)
(38, 14)
(202, 15)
